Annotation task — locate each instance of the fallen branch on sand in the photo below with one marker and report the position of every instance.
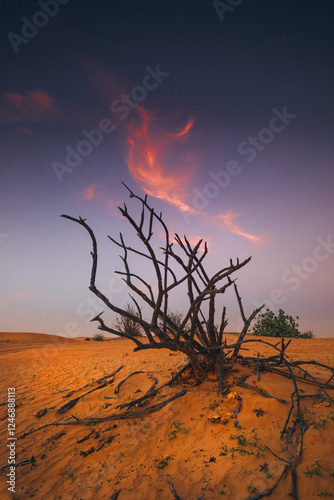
(172, 489)
(269, 491)
(238, 408)
(92, 449)
(117, 388)
(290, 464)
(18, 464)
(115, 495)
(149, 394)
(74, 401)
(120, 416)
(94, 382)
(261, 391)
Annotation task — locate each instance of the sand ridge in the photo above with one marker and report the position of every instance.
(183, 439)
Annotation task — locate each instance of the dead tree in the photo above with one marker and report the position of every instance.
(196, 336)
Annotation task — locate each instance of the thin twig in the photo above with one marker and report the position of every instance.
(18, 464)
(294, 393)
(270, 490)
(74, 401)
(221, 370)
(175, 495)
(257, 367)
(321, 386)
(155, 391)
(237, 410)
(115, 495)
(261, 391)
(151, 389)
(117, 388)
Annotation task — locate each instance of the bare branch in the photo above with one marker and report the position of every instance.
(247, 322)
(223, 325)
(105, 328)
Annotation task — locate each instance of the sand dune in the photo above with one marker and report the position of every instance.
(18, 341)
(184, 439)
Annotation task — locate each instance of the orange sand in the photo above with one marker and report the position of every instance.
(201, 456)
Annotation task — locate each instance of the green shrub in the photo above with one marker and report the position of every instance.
(270, 325)
(127, 325)
(98, 337)
(307, 335)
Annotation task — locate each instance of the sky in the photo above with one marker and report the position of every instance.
(222, 112)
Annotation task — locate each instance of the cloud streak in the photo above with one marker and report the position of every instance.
(94, 193)
(33, 106)
(152, 159)
(37, 106)
(147, 145)
(31, 285)
(226, 220)
(146, 165)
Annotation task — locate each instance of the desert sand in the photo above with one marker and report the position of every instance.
(193, 439)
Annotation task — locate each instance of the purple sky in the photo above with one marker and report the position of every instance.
(223, 116)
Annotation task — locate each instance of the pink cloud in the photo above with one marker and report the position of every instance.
(226, 220)
(94, 193)
(25, 131)
(147, 145)
(88, 193)
(32, 106)
(36, 106)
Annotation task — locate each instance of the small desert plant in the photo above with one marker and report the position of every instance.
(320, 424)
(307, 335)
(127, 325)
(177, 318)
(324, 493)
(69, 474)
(245, 446)
(206, 485)
(224, 452)
(98, 337)
(164, 462)
(251, 489)
(177, 424)
(259, 412)
(242, 441)
(317, 469)
(282, 325)
(264, 469)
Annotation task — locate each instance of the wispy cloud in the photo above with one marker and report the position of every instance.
(226, 220)
(87, 193)
(37, 106)
(152, 159)
(185, 129)
(147, 142)
(147, 145)
(31, 285)
(32, 106)
(95, 193)
(147, 165)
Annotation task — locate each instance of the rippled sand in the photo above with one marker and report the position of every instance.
(201, 455)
